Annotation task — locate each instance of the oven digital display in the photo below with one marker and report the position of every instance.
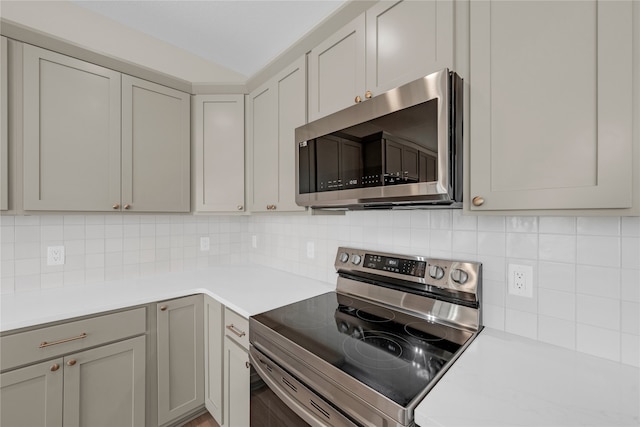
(408, 267)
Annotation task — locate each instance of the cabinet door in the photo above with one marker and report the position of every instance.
(32, 396)
(214, 352)
(551, 109)
(155, 147)
(275, 110)
(337, 70)
(407, 40)
(180, 357)
(105, 386)
(71, 133)
(4, 130)
(263, 136)
(292, 102)
(218, 146)
(237, 384)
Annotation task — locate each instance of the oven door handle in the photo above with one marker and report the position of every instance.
(263, 365)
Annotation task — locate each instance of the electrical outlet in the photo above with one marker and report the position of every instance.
(254, 241)
(520, 280)
(55, 255)
(204, 244)
(311, 250)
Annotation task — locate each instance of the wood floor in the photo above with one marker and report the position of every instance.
(205, 420)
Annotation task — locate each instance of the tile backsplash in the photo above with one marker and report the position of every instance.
(586, 284)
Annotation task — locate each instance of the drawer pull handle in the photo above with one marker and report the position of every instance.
(44, 344)
(163, 308)
(71, 362)
(236, 331)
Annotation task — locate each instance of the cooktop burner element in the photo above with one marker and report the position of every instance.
(393, 327)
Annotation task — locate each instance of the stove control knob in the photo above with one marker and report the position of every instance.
(436, 272)
(459, 276)
(344, 257)
(355, 259)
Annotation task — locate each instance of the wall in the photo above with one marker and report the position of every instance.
(586, 270)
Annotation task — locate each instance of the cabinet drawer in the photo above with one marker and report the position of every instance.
(236, 327)
(49, 342)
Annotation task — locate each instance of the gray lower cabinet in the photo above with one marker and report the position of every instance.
(180, 349)
(214, 356)
(236, 370)
(83, 381)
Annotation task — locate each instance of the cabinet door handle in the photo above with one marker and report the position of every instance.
(240, 207)
(236, 331)
(55, 367)
(247, 364)
(357, 100)
(368, 94)
(163, 308)
(44, 344)
(71, 362)
(127, 206)
(116, 206)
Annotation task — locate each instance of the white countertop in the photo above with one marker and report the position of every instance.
(245, 290)
(507, 380)
(500, 380)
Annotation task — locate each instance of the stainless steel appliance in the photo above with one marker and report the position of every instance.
(402, 148)
(368, 353)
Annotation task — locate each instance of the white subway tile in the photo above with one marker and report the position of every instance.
(630, 285)
(599, 281)
(94, 246)
(115, 219)
(521, 323)
(464, 241)
(493, 292)
(52, 220)
(463, 222)
(27, 267)
(7, 269)
(113, 245)
(631, 226)
(94, 219)
(113, 231)
(493, 316)
(27, 283)
(7, 251)
(27, 220)
(441, 219)
(556, 247)
(598, 341)
(630, 318)
(112, 259)
(557, 276)
(93, 261)
(52, 280)
(491, 223)
(522, 245)
(556, 331)
(94, 275)
(491, 243)
(27, 233)
(7, 285)
(630, 350)
(630, 257)
(599, 226)
(74, 232)
(130, 257)
(7, 234)
(26, 250)
(561, 305)
(74, 262)
(51, 233)
(114, 272)
(522, 224)
(599, 250)
(557, 225)
(598, 311)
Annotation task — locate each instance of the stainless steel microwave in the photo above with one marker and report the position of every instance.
(400, 149)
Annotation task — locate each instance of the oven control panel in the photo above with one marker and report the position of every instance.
(446, 274)
(408, 267)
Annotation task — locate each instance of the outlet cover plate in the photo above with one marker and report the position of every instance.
(55, 255)
(520, 280)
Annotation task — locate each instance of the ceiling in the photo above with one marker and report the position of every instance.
(242, 35)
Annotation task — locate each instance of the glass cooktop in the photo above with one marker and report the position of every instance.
(394, 353)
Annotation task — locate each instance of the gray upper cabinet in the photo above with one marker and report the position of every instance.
(218, 153)
(96, 140)
(155, 147)
(180, 357)
(4, 129)
(551, 109)
(71, 133)
(392, 43)
(407, 40)
(274, 111)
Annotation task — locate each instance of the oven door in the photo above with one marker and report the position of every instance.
(278, 399)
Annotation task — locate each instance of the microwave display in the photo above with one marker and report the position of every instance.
(395, 149)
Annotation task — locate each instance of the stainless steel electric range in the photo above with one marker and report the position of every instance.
(368, 353)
